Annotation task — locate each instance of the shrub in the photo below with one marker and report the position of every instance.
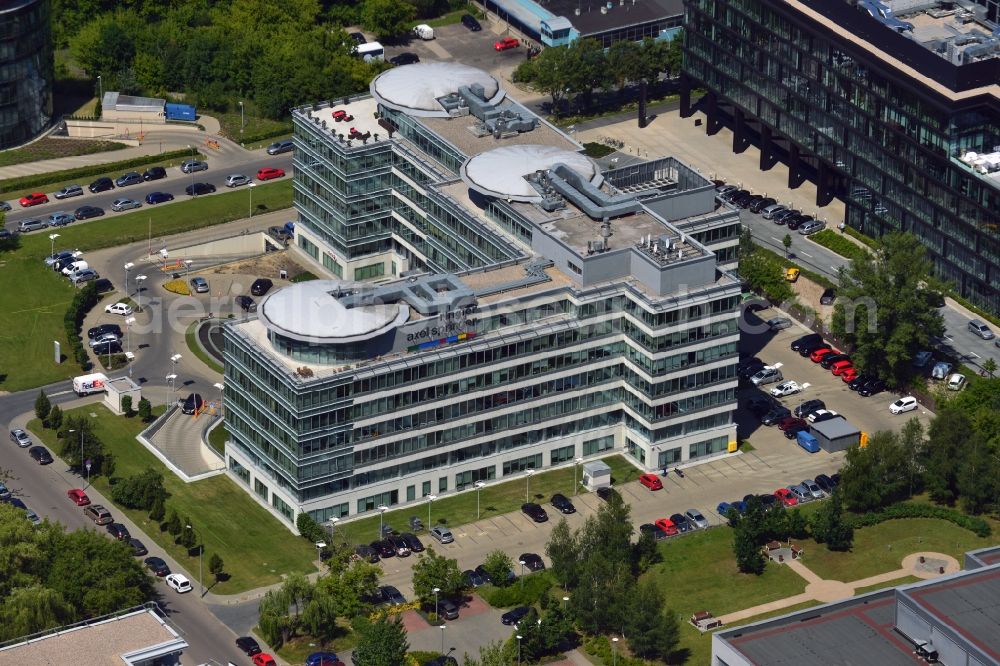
(830, 239)
(977, 526)
(141, 491)
(525, 592)
(309, 528)
(82, 302)
(34, 180)
(178, 286)
(600, 647)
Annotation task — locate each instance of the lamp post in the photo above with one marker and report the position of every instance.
(52, 244)
(332, 522)
(222, 387)
(174, 360)
(170, 378)
(128, 332)
(138, 291)
(81, 445)
(100, 92)
(87, 466)
(614, 651)
(521, 562)
(127, 267)
(242, 121)
(191, 172)
(479, 486)
(519, 649)
(576, 486)
(527, 484)
(436, 591)
(250, 189)
(381, 511)
(201, 552)
(442, 639)
(430, 500)
(565, 601)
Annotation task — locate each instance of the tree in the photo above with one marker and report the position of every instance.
(588, 70)
(55, 418)
(126, 404)
(492, 654)
(563, 553)
(350, 585)
(386, 18)
(158, 510)
(876, 475)
(309, 528)
(436, 571)
(885, 309)
(653, 630)
(830, 527)
(382, 643)
(947, 439)
(798, 526)
(625, 60)
(29, 610)
(556, 629)
(644, 553)
(498, 566)
(188, 538)
(787, 242)
(145, 410)
(600, 602)
(174, 525)
(990, 367)
(140, 491)
(216, 566)
(913, 447)
(766, 276)
(532, 643)
(749, 558)
(42, 406)
(977, 478)
(547, 73)
(319, 617)
(274, 621)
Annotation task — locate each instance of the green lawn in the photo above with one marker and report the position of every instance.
(51, 148)
(34, 298)
(454, 509)
(255, 547)
(191, 337)
(256, 130)
(217, 438)
(51, 182)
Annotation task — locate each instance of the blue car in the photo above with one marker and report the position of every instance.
(723, 508)
(740, 506)
(158, 197)
(321, 659)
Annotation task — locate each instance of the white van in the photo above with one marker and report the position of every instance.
(87, 384)
(424, 31)
(370, 51)
(74, 267)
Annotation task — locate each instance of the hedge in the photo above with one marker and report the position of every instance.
(34, 180)
(977, 526)
(83, 301)
(836, 242)
(525, 592)
(854, 233)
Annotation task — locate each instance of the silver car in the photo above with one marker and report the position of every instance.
(86, 275)
(772, 210)
(61, 219)
(199, 285)
(696, 519)
(237, 179)
(190, 166)
(125, 204)
(442, 534)
(31, 225)
(69, 191)
(813, 488)
(767, 375)
(801, 493)
(812, 227)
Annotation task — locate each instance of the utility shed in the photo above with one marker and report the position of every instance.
(836, 434)
(596, 474)
(115, 106)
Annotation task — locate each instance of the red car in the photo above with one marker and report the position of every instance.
(651, 481)
(33, 199)
(818, 355)
(849, 375)
(263, 659)
(667, 526)
(506, 43)
(78, 496)
(790, 422)
(839, 367)
(786, 496)
(270, 173)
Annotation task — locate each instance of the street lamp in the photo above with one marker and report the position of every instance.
(576, 486)
(138, 291)
(81, 447)
(52, 244)
(100, 92)
(222, 387)
(527, 484)
(175, 359)
(128, 266)
(128, 330)
(442, 639)
(521, 562)
(187, 266)
(519, 649)
(381, 511)
(171, 378)
(436, 591)
(250, 188)
(430, 500)
(242, 121)
(614, 651)
(479, 486)
(565, 601)
(201, 553)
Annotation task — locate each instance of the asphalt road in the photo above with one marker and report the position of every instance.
(175, 184)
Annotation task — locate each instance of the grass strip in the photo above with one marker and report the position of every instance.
(831, 240)
(191, 336)
(70, 176)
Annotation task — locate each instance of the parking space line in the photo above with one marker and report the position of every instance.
(806, 254)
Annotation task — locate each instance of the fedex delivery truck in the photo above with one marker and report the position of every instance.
(87, 384)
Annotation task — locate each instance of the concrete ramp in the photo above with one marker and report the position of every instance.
(176, 439)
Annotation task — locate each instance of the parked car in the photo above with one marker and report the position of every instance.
(696, 519)
(412, 542)
(384, 549)
(505, 44)
(681, 523)
(107, 349)
(101, 185)
(249, 645)
(34, 224)
(21, 438)
(978, 328)
(198, 189)
(532, 561)
(607, 492)
(190, 166)
(809, 339)
(821, 415)
(651, 481)
(269, 173)
(154, 173)
(828, 297)
(650, 528)
(872, 387)
(770, 211)
(78, 497)
(179, 583)
(263, 659)
(779, 323)
(825, 483)
(33, 199)
(792, 274)
(906, 404)
(472, 578)
(859, 381)
(261, 286)
(158, 197)
(470, 22)
(776, 414)
(98, 331)
(199, 285)
(119, 205)
(514, 615)
(62, 255)
(4, 492)
(88, 212)
(535, 512)
(759, 405)
(447, 609)
(838, 367)
(157, 566)
(84, 275)
(790, 422)
(442, 534)
(237, 180)
(792, 431)
(562, 503)
(41, 455)
(405, 58)
(138, 547)
(69, 191)
(956, 382)
(98, 514)
(246, 303)
(399, 545)
(819, 354)
(800, 493)
(786, 497)
(767, 375)
(829, 360)
(391, 595)
(786, 388)
(118, 531)
(130, 178)
(104, 339)
(812, 227)
(762, 203)
(366, 553)
(813, 488)
(123, 309)
(747, 368)
(192, 403)
(323, 659)
(279, 147)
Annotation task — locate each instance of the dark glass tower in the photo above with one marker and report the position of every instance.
(26, 70)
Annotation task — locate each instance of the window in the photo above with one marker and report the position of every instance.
(594, 446)
(562, 454)
(573, 267)
(335, 511)
(465, 479)
(260, 489)
(635, 450)
(425, 489)
(331, 265)
(669, 457)
(443, 484)
(282, 507)
(522, 464)
(411, 493)
(239, 470)
(707, 448)
(369, 272)
(308, 247)
(387, 498)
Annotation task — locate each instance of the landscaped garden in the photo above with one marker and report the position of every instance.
(51, 148)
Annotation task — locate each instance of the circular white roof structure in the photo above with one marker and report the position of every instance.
(416, 88)
(309, 312)
(500, 172)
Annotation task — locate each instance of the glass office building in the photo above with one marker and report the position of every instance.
(26, 70)
(896, 115)
(495, 303)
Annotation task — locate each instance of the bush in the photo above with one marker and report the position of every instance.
(854, 233)
(309, 528)
(977, 526)
(597, 150)
(141, 491)
(34, 180)
(600, 647)
(830, 239)
(525, 592)
(83, 301)
(178, 286)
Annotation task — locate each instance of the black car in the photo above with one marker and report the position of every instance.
(246, 303)
(808, 407)
(472, 578)
(748, 367)
(742, 200)
(483, 574)
(793, 430)
(768, 501)
(448, 610)
(607, 492)
(154, 173)
(405, 58)
(470, 22)
(828, 297)
(807, 349)
(830, 359)
(514, 615)
(871, 388)
(41, 455)
(358, 38)
(859, 381)
(118, 531)
(104, 329)
(681, 522)
(367, 553)
(535, 512)
(157, 566)
(104, 286)
(392, 596)
(733, 195)
(761, 204)
(443, 660)
(196, 189)
(412, 542)
(399, 543)
(260, 286)
(760, 405)
(138, 547)
(784, 215)
(248, 645)
(383, 548)
(825, 483)
(192, 403)
(101, 185)
(532, 562)
(836, 479)
(650, 528)
(777, 413)
(87, 212)
(562, 503)
(753, 201)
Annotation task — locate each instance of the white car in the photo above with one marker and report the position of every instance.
(907, 404)
(956, 382)
(179, 582)
(786, 388)
(821, 415)
(123, 309)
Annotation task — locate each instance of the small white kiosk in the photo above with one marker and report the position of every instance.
(596, 474)
(116, 389)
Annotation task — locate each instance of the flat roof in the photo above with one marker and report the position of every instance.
(416, 89)
(312, 311)
(969, 603)
(363, 110)
(834, 428)
(124, 639)
(621, 13)
(501, 172)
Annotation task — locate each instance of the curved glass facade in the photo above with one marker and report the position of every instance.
(26, 70)
(332, 354)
